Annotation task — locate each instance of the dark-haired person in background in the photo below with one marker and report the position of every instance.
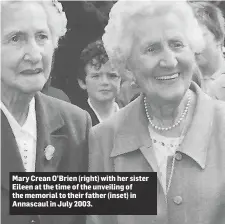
(211, 60)
(100, 80)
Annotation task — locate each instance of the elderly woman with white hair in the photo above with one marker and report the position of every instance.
(173, 128)
(38, 133)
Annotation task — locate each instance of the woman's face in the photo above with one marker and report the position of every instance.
(27, 47)
(161, 59)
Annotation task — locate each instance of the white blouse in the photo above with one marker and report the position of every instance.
(26, 135)
(163, 147)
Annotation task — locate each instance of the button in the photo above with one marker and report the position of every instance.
(178, 156)
(177, 200)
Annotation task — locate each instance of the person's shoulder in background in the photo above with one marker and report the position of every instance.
(56, 93)
(66, 110)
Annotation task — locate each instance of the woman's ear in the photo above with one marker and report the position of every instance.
(128, 70)
(220, 46)
(129, 75)
(82, 84)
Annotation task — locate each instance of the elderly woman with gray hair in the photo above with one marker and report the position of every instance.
(38, 133)
(173, 128)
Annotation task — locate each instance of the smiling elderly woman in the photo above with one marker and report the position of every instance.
(38, 133)
(173, 127)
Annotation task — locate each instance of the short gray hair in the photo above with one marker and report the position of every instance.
(57, 20)
(117, 38)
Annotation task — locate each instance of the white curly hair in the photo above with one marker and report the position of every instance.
(123, 17)
(57, 20)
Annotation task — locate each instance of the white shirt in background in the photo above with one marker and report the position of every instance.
(114, 110)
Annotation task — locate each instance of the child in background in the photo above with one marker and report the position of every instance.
(101, 81)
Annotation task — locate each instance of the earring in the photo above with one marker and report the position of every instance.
(26, 57)
(133, 84)
(197, 53)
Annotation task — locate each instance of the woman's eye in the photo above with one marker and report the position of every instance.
(177, 45)
(153, 48)
(42, 37)
(150, 49)
(16, 38)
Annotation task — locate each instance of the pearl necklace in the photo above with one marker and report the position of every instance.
(176, 123)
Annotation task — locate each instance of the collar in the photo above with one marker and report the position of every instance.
(115, 109)
(133, 134)
(30, 124)
(48, 114)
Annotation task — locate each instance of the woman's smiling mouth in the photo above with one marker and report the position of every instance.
(168, 77)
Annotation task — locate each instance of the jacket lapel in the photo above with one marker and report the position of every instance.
(196, 141)
(10, 156)
(49, 123)
(133, 134)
